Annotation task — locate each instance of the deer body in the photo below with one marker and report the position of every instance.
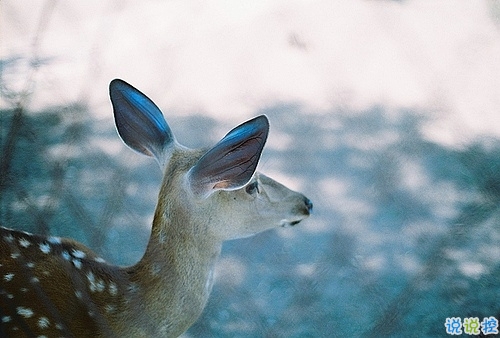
(53, 287)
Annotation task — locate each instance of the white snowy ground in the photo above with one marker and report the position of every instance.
(385, 113)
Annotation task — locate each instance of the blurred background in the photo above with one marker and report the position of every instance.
(386, 114)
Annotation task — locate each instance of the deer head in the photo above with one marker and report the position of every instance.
(221, 183)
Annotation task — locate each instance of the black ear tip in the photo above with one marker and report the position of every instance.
(117, 85)
(262, 122)
(263, 119)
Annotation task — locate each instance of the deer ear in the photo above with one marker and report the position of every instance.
(231, 163)
(139, 121)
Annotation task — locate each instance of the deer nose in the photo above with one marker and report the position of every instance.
(309, 204)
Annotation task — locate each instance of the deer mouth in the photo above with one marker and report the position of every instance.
(286, 223)
(301, 212)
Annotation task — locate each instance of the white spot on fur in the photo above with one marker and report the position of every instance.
(77, 263)
(24, 242)
(109, 308)
(90, 276)
(78, 294)
(6, 319)
(78, 253)
(155, 269)
(113, 289)
(34, 280)
(133, 287)
(100, 285)
(15, 255)
(95, 284)
(99, 260)
(24, 290)
(25, 312)
(66, 255)
(45, 248)
(43, 322)
(9, 238)
(30, 265)
(8, 277)
(54, 240)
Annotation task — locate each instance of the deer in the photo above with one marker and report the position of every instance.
(57, 287)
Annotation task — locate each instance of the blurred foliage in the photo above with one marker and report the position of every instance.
(405, 232)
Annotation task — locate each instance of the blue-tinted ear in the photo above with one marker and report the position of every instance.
(139, 121)
(231, 163)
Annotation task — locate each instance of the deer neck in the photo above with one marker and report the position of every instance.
(173, 280)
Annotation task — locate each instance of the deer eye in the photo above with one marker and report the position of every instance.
(252, 188)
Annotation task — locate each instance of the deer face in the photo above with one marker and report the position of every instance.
(261, 204)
